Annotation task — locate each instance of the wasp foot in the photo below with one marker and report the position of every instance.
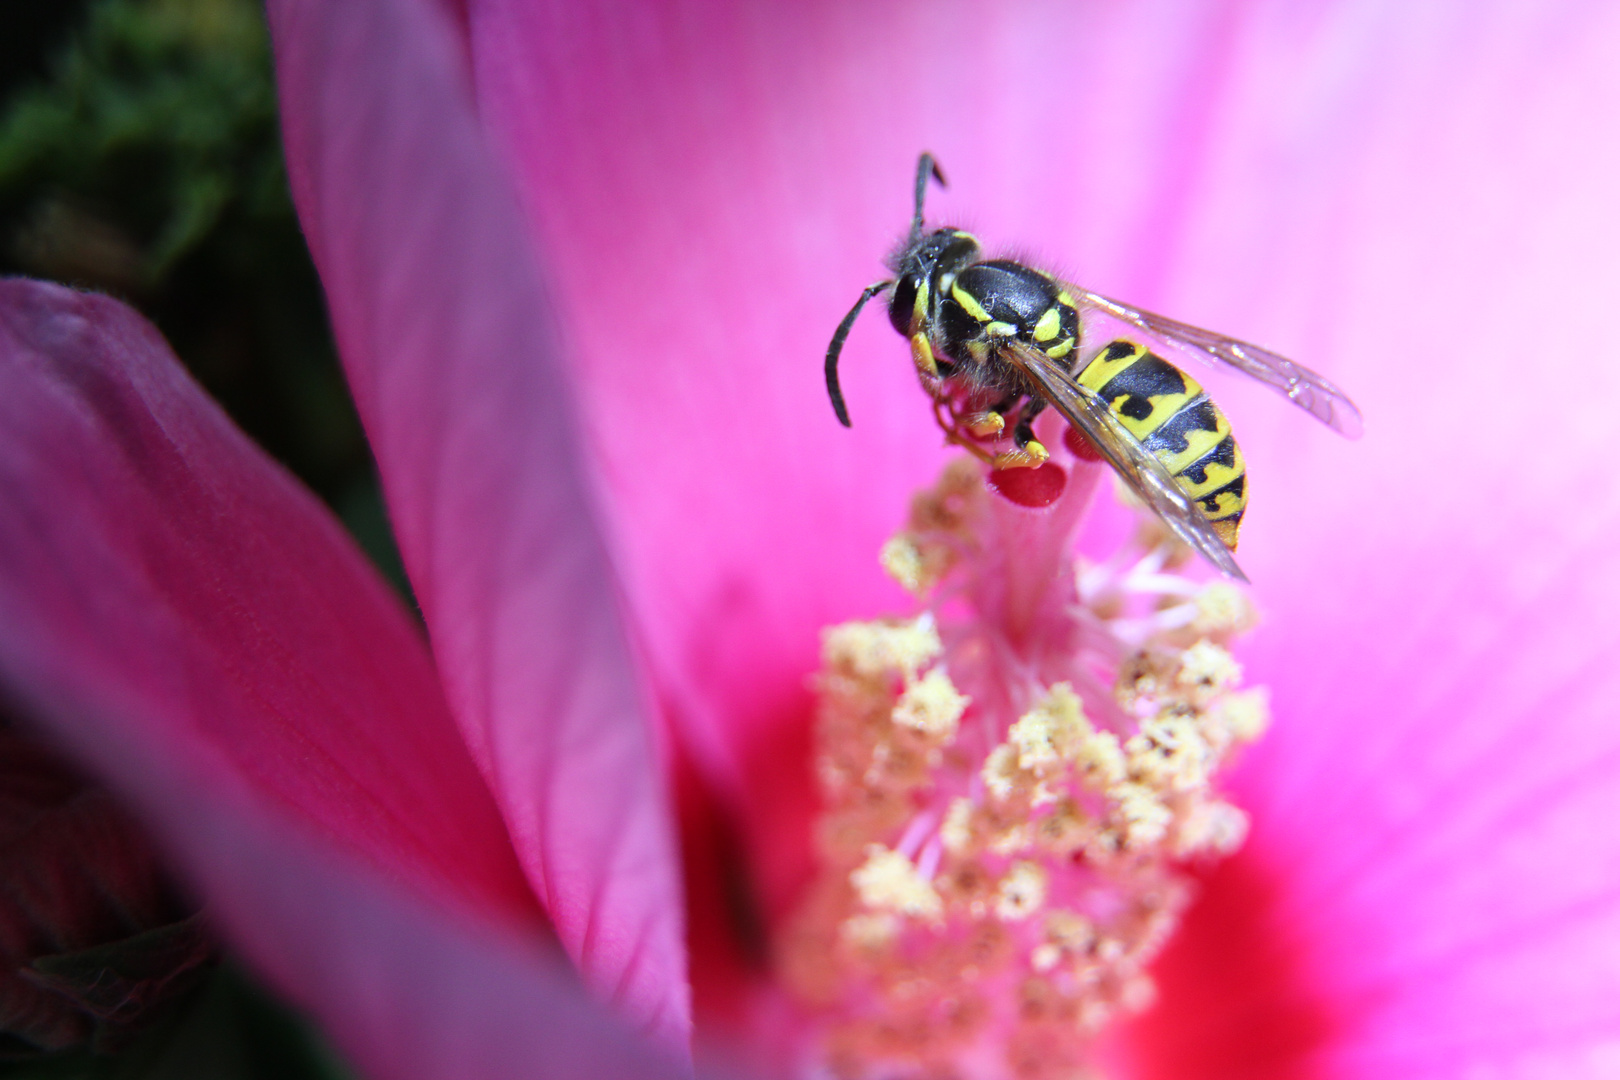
(985, 424)
(1031, 456)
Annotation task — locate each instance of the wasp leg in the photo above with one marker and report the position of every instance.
(1031, 456)
(951, 425)
(922, 354)
(1030, 453)
(991, 422)
(985, 425)
(1024, 433)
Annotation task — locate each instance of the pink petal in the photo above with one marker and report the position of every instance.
(406, 988)
(1421, 207)
(455, 360)
(153, 559)
(758, 167)
(197, 628)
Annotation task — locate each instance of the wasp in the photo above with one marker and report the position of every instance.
(996, 342)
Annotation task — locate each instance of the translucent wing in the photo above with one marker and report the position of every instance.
(1296, 382)
(1139, 468)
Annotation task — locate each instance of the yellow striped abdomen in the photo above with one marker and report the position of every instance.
(1172, 417)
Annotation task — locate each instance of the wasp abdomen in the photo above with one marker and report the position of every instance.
(1169, 413)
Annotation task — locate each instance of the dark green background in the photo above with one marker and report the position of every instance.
(139, 156)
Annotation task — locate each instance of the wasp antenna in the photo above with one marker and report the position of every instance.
(837, 346)
(926, 167)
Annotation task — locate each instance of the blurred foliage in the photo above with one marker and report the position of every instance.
(147, 164)
(139, 156)
(33, 31)
(227, 1029)
(96, 942)
(108, 971)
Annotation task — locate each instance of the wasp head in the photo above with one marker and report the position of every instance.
(922, 269)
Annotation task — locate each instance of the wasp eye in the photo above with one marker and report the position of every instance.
(902, 303)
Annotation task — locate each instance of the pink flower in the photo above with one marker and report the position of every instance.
(582, 265)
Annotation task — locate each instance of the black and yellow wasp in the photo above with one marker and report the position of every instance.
(995, 342)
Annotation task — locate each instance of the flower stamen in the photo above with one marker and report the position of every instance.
(1012, 782)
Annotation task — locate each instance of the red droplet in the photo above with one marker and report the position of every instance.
(1080, 446)
(1030, 487)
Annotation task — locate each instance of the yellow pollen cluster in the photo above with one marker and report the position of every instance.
(931, 706)
(920, 556)
(1021, 892)
(1222, 608)
(887, 711)
(877, 650)
(887, 881)
(1059, 784)
(1028, 905)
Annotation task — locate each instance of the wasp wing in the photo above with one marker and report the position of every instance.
(1143, 472)
(1296, 382)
